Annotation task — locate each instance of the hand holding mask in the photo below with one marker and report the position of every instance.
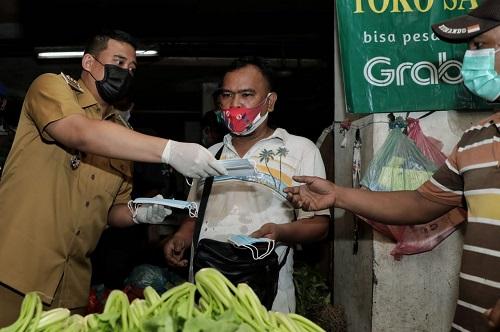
(191, 160)
(150, 213)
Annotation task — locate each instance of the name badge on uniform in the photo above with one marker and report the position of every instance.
(74, 162)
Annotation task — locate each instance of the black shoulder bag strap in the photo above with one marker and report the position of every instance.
(207, 187)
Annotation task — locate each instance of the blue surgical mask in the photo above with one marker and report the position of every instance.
(244, 241)
(173, 203)
(480, 76)
(239, 167)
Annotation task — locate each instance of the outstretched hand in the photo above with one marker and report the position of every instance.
(191, 160)
(315, 194)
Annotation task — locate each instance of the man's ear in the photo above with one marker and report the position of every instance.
(272, 100)
(87, 61)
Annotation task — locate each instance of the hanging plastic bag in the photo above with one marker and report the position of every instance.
(421, 238)
(399, 165)
(430, 147)
(414, 239)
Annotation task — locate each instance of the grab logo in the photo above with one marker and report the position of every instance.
(379, 71)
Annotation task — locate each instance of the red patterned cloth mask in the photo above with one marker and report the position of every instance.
(244, 120)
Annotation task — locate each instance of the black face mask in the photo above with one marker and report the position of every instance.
(115, 85)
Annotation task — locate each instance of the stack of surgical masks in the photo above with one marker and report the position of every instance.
(192, 207)
(239, 167)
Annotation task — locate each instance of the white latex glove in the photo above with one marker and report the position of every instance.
(151, 213)
(191, 160)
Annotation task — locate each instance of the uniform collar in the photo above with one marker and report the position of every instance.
(85, 98)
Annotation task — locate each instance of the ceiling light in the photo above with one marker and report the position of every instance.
(60, 55)
(146, 53)
(79, 54)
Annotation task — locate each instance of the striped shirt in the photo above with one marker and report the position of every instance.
(471, 177)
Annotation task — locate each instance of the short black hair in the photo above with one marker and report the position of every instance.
(258, 62)
(99, 42)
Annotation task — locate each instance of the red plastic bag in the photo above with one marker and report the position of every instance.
(429, 146)
(97, 298)
(416, 239)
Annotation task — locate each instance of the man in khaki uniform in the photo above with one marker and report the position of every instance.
(67, 177)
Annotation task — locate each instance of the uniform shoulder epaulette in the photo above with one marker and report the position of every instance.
(72, 82)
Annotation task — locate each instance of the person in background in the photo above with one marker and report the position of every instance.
(212, 126)
(68, 177)
(242, 206)
(9, 117)
(4, 134)
(469, 178)
(212, 130)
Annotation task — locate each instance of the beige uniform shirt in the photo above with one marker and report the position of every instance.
(51, 214)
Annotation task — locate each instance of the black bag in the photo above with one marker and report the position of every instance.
(237, 264)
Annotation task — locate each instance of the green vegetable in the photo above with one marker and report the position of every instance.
(214, 304)
(51, 317)
(31, 310)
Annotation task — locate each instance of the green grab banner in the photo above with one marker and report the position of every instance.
(392, 61)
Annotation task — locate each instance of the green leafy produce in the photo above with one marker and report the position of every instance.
(214, 304)
(311, 289)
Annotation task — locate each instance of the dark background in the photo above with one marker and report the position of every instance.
(196, 40)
